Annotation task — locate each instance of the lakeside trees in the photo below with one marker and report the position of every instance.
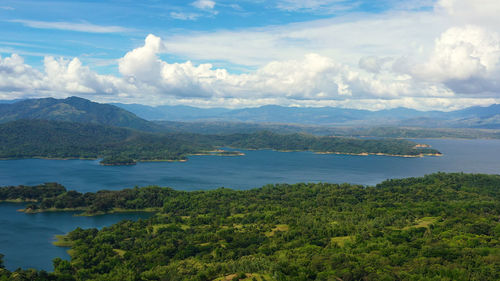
(437, 227)
(52, 139)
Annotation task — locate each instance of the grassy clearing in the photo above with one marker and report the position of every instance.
(62, 241)
(425, 222)
(340, 241)
(249, 277)
(279, 227)
(157, 227)
(121, 253)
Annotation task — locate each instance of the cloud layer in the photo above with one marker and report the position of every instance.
(335, 62)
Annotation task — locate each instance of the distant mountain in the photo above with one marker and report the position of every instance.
(270, 114)
(135, 116)
(74, 109)
(10, 101)
(174, 112)
(472, 117)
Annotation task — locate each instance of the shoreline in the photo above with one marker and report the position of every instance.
(85, 214)
(382, 154)
(349, 153)
(219, 152)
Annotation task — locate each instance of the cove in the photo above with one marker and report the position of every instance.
(26, 239)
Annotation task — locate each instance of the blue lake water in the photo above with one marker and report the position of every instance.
(25, 239)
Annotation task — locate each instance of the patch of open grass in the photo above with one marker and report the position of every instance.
(423, 222)
(62, 241)
(279, 227)
(340, 241)
(249, 277)
(121, 253)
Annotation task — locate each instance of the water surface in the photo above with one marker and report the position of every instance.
(255, 169)
(26, 239)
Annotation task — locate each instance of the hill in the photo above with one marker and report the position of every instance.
(73, 109)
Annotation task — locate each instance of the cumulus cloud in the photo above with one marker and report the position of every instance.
(415, 59)
(145, 76)
(466, 59)
(16, 76)
(462, 53)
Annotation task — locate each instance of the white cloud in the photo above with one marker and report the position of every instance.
(16, 76)
(80, 27)
(428, 59)
(345, 38)
(204, 4)
(143, 63)
(462, 53)
(184, 16)
(146, 77)
(323, 6)
(372, 63)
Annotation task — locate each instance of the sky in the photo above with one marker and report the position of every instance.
(421, 54)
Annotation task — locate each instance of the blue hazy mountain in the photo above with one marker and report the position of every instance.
(174, 112)
(138, 116)
(473, 117)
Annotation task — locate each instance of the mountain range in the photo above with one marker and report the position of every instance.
(472, 117)
(141, 117)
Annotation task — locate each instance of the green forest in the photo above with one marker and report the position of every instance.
(437, 227)
(122, 146)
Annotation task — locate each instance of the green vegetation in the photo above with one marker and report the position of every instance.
(31, 193)
(117, 160)
(74, 109)
(62, 241)
(53, 197)
(220, 127)
(120, 146)
(303, 142)
(62, 140)
(402, 132)
(437, 227)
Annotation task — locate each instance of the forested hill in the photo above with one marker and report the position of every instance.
(53, 139)
(74, 109)
(437, 227)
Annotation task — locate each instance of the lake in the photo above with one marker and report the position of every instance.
(25, 239)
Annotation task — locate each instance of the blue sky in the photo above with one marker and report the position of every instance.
(111, 28)
(353, 53)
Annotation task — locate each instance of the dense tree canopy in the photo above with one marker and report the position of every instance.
(437, 227)
(52, 139)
